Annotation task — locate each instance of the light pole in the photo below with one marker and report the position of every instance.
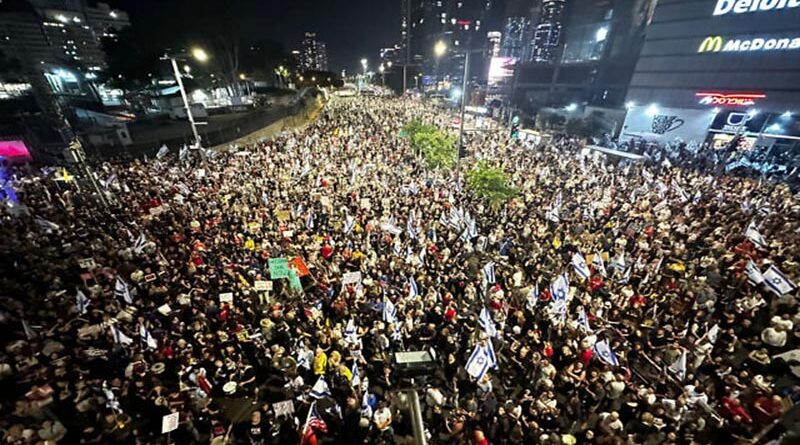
(200, 56)
(382, 69)
(364, 74)
(439, 50)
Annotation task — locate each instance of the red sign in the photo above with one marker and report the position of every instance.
(729, 99)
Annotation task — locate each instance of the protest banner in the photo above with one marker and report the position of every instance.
(278, 268)
(300, 266)
(169, 423)
(351, 277)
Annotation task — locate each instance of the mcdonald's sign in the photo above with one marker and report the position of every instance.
(711, 44)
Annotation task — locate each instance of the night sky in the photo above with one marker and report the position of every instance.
(352, 29)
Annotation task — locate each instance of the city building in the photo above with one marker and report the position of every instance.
(515, 37)
(494, 39)
(314, 55)
(714, 69)
(582, 54)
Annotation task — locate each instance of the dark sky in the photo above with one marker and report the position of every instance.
(352, 29)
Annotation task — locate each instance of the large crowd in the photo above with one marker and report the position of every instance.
(258, 295)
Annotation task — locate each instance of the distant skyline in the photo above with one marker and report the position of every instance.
(352, 29)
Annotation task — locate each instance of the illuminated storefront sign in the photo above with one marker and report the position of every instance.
(729, 99)
(715, 44)
(747, 6)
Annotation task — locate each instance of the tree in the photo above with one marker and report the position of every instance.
(438, 149)
(490, 183)
(415, 126)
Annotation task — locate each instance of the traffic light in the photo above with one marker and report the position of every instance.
(515, 127)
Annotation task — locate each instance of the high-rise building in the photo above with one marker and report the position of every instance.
(515, 36)
(494, 38)
(314, 55)
(582, 52)
(55, 32)
(547, 33)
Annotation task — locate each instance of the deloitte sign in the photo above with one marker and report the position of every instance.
(746, 6)
(716, 44)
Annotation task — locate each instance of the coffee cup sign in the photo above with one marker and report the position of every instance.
(663, 124)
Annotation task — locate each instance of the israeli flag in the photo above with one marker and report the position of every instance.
(422, 254)
(46, 224)
(679, 367)
(597, 262)
(443, 219)
(619, 262)
(302, 359)
(505, 247)
(579, 263)
(297, 210)
(110, 181)
(183, 153)
(121, 290)
(680, 192)
(163, 151)
(413, 290)
(465, 235)
(754, 236)
(119, 337)
(473, 229)
(82, 302)
(552, 214)
(478, 363)
(320, 389)
(606, 354)
(410, 229)
(139, 244)
(366, 409)
(397, 249)
(583, 320)
(777, 282)
(146, 338)
(434, 237)
(389, 311)
(356, 380)
(486, 323)
(349, 224)
(754, 275)
(533, 297)
(559, 288)
(488, 272)
(310, 221)
(350, 329)
(409, 255)
(490, 352)
(626, 277)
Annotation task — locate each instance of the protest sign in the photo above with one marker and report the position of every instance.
(226, 297)
(285, 408)
(261, 285)
(300, 266)
(169, 423)
(278, 268)
(351, 277)
(294, 280)
(87, 263)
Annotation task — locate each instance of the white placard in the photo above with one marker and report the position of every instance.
(164, 309)
(285, 408)
(260, 285)
(351, 277)
(169, 423)
(226, 297)
(87, 263)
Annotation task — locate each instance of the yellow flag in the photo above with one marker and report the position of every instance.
(556, 242)
(250, 244)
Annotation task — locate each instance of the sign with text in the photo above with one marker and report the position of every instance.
(262, 285)
(351, 277)
(169, 423)
(278, 268)
(300, 266)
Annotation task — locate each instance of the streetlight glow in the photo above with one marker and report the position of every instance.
(572, 107)
(440, 48)
(199, 54)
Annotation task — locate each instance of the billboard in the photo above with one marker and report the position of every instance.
(666, 125)
(500, 69)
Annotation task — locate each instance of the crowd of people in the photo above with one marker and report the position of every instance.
(258, 295)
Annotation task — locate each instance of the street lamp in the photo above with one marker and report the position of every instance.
(364, 65)
(381, 69)
(440, 48)
(201, 56)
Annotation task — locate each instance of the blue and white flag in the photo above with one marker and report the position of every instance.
(597, 262)
(349, 224)
(356, 380)
(533, 297)
(777, 282)
(422, 254)
(413, 290)
(163, 151)
(410, 229)
(505, 247)
(479, 362)
(626, 277)
(486, 323)
(434, 237)
(409, 255)
(320, 389)
(755, 236)
(488, 273)
(680, 192)
(110, 181)
(139, 244)
(350, 329)
(183, 153)
(619, 262)
(389, 311)
(310, 221)
(679, 367)
(119, 337)
(82, 302)
(579, 263)
(552, 214)
(754, 275)
(121, 290)
(46, 224)
(559, 288)
(397, 249)
(366, 409)
(303, 360)
(146, 338)
(605, 353)
(583, 320)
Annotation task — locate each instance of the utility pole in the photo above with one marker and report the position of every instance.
(463, 108)
(188, 107)
(408, 45)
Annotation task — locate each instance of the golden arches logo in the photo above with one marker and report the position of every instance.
(711, 44)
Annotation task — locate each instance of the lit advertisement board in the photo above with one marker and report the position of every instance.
(726, 47)
(500, 69)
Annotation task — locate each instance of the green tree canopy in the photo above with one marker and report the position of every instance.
(490, 183)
